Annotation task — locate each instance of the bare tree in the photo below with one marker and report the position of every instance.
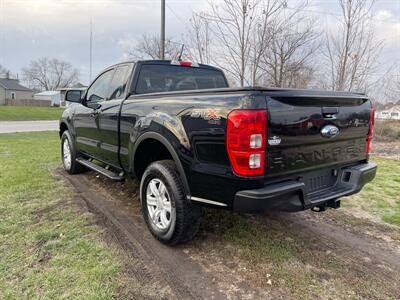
(396, 89)
(387, 87)
(233, 22)
(352, 52)
(290, 49)
(3, 71)
(198, 43)
(50, 74)
(254, 39)
(298, 75)
(148, 47)
(262, 35)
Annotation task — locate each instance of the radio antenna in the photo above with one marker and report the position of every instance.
(180, 54)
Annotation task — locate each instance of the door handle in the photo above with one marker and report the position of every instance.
(94, 114)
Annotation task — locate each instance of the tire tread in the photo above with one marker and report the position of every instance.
(76, 167)
(187, 215)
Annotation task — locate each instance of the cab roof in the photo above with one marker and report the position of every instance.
(159, 62)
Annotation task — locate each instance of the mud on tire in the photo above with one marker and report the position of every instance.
(182, 222)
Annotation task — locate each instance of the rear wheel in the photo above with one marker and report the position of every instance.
(171, 218)
(69, 154)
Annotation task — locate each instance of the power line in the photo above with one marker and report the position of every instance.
(179, 18)
(339, 15)
(90, 51)
(2, 33)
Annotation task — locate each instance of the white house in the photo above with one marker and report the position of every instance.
(53, 96)
(392, 113)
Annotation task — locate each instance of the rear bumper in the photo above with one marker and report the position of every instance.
(291, 195)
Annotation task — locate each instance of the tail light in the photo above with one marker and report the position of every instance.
(371, 130)
(246, 140)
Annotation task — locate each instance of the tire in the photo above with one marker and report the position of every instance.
(182, 222)
(69, 163)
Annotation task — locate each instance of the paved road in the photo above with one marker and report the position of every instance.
(25, 126)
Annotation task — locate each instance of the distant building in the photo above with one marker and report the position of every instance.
(79, 86)
(53, 97)
(11, 89)
(392, 113)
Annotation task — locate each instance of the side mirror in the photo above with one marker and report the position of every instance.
(73, 96)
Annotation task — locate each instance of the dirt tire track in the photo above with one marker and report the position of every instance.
(363, 253)
(186, 274)
(184, 277)
(340, 237)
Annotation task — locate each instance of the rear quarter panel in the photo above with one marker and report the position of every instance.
(195, 126)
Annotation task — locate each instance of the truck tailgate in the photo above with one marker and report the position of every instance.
(303, 135)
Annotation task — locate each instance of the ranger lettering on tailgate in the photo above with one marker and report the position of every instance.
(303, 158)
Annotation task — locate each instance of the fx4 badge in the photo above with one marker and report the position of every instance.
(209, 115)
(275, 140)
(329, 131)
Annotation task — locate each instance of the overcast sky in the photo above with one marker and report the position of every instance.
(30, 29)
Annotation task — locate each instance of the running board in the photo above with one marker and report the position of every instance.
(101, 170)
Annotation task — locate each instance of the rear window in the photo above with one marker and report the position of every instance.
(166, 78)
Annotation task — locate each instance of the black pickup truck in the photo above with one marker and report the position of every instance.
(192, 141)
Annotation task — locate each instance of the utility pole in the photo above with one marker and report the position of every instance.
(90, 51)
(162, 35)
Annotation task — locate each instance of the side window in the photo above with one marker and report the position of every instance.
(119, 81)
(100, 88)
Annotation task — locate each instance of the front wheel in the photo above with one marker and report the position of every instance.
(69, 154)
(171, 218)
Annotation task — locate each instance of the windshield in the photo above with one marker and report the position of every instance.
(166, 78)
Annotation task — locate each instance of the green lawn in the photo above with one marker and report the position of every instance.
(382, 196)
(28, 113)
(49, 248)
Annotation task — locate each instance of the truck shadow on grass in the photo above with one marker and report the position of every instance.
(278, 255)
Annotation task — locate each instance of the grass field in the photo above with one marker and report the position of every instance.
(49, 249)
(381, 197)
(27, 113)
(387, 130)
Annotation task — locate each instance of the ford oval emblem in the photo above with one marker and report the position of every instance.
(329, 131)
